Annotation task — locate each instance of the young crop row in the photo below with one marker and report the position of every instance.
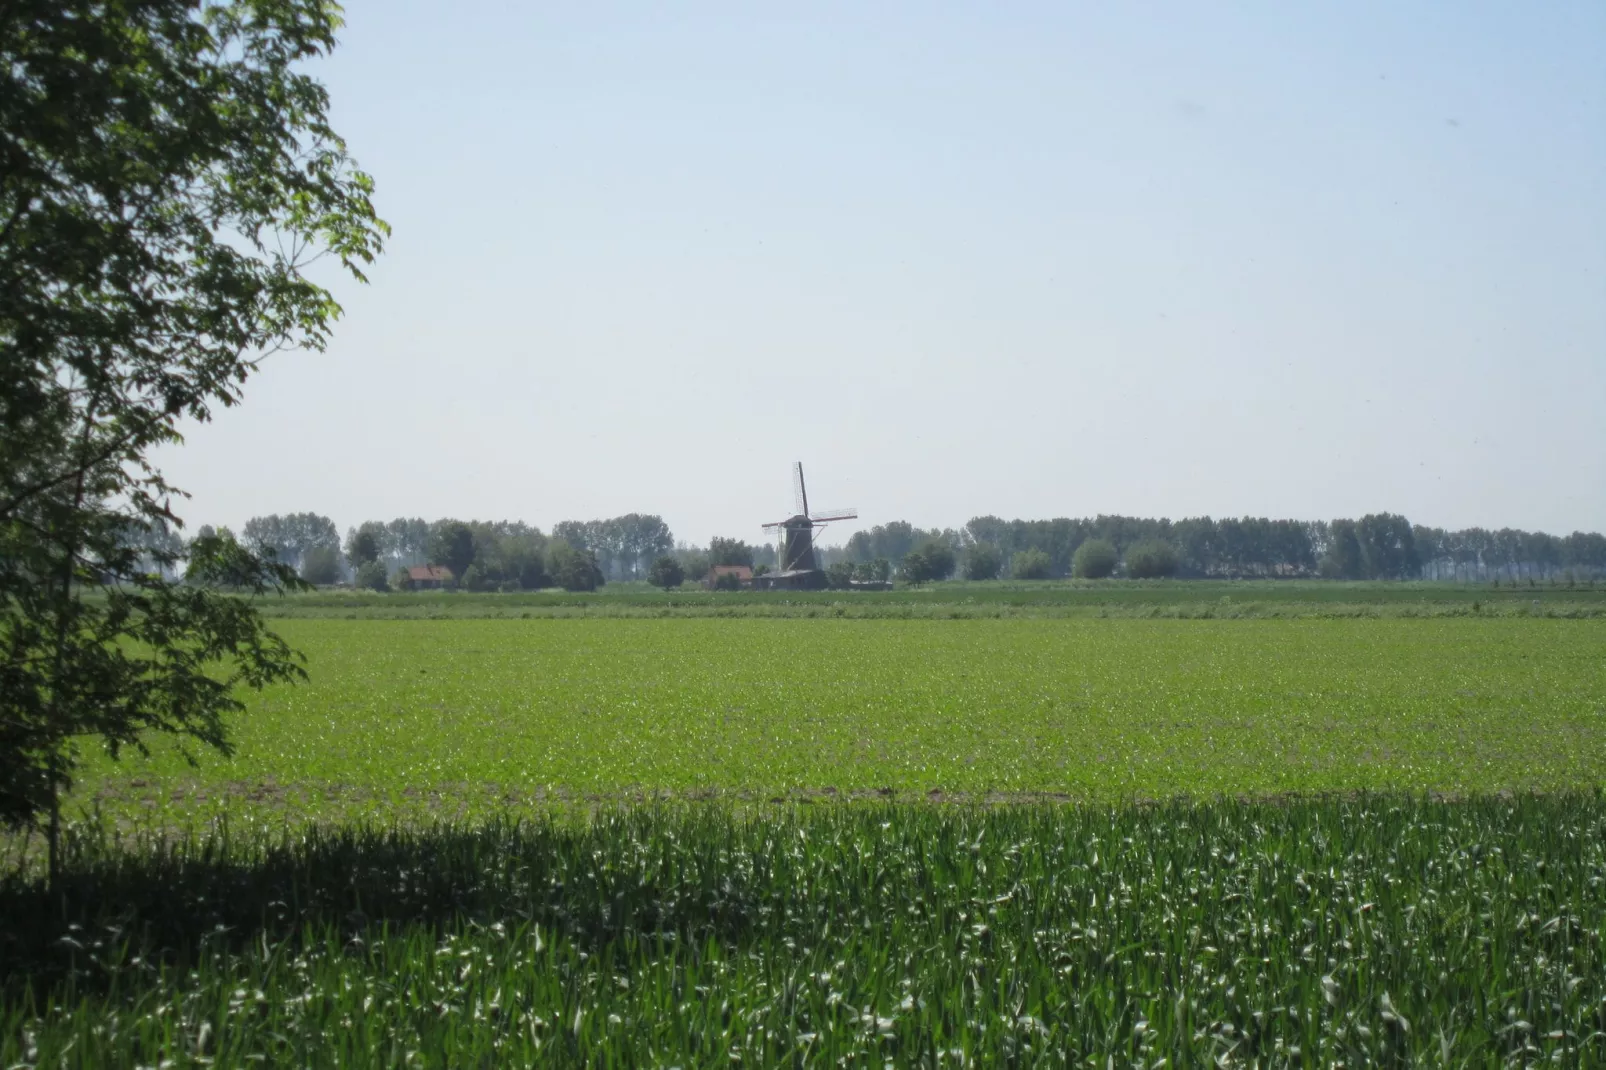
(1375, 930)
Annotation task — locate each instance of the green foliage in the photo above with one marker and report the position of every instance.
(878, 570)
(1094, 560)
(572, 569)
(321, 565)
(365, 544)
(666, 573)
(1387, 546)
(1343, 560)
(729, 552)
(169, 175)
(1381, 931)
(694, 563)
(1150, 559)
(371, 577)
(982, 561)
(451, 544)
(727, 581)
(1030, 565)
(475, 579)
(839, 576)
(620, 545)
(290, 538)
(933, 559)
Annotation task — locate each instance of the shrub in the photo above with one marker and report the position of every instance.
(1030, 565)
(727, 581)
(982, 561)
(371, 576)
(666, 573)
(1151, 558)
(1094, 560)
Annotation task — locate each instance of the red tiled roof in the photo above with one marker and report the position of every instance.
(429, 572)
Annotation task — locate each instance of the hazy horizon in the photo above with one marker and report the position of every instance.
(1308, 263)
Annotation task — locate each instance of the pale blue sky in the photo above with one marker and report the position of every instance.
(1305, 260)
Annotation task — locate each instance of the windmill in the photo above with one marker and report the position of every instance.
(797, 565)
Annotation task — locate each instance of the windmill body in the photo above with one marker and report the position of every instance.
(799, 569)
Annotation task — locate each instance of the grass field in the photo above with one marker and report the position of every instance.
(414, 715)
(1337, 829)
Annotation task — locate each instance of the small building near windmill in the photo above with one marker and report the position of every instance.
(792, 579)
(428, 577)
(743, 574)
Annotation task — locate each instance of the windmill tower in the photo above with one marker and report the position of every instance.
(798, 567)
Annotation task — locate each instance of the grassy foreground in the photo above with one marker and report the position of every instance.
(458, 718)
(1381, 930)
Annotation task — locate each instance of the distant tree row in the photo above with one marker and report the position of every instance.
(1376, 546)
(510, 555)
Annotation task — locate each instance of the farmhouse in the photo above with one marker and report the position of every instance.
(743, 574)
(428, 577)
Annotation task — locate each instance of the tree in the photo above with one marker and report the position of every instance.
(407, 540)
(321, 566)
(523, 559)
(915, 568)
(572, 569)
(167, 175)
(982, 561)
(839, 575)
(365, 544)
(729, 552)
(1093, 560)
(452, 544)
(370, 576)
(933, 559)
(1151, 558)
(290, 537)
(1030, 565)
(1388, 546)
(693, 562)
(642, 537)
(939, 556)
(876, 571)
(1343, 559)
(666, 573)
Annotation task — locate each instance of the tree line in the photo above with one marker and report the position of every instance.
(581, 555)
(478, 555)
(1375, 546)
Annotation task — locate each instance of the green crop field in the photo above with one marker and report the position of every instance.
(1368, 932)
(1322, 832)
(484, 713)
